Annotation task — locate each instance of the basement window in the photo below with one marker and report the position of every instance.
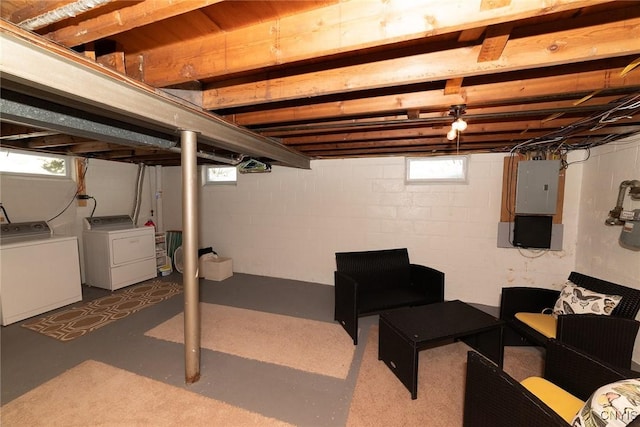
(219, 175)
(38, 164)
(437, 170)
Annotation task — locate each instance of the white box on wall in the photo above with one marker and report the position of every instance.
(216, 269)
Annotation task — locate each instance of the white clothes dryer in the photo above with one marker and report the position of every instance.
(117, 254)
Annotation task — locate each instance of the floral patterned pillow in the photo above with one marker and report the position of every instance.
(574, 299)
(612, 405)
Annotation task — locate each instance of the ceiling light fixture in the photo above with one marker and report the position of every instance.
(459, 124)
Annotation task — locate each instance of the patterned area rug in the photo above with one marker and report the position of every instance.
(78, 321)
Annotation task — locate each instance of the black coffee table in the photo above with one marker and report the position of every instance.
(406, 331)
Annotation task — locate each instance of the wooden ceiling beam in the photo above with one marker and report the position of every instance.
(55, 141)
(399, 145)
(114, 60)
(453, 86)
(493, 4)
(14, 132)
(515, 92)
(424, 131)
(348, 127)
(563, 47)
(346, 27)
(131, 15)
(417, 130)
(471, 34)
(436, 148)
(426, 146)
(90, 147)
(116, 97)
(118, 154)
(466, 137)
(495, 42)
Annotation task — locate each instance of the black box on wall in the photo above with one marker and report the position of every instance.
(532, 231)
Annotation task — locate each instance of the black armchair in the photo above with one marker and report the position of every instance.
(611, 338)
(369, 282)
(495, 399)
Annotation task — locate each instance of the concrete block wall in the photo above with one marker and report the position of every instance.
(599, 252)
(112, 184)
(289, 223)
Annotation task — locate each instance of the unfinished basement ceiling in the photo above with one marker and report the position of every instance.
(339, 79)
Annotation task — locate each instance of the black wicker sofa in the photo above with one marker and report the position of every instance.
(610, 337)
(494, 399)
(369, 282)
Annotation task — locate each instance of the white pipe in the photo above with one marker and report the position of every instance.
(157, 197)
(138, 196)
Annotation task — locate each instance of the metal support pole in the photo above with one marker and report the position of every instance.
(190, 253)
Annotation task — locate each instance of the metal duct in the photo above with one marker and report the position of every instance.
(63, 12)
(25, 109)
(29, 110)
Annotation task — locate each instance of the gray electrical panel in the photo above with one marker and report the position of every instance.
(537, 187)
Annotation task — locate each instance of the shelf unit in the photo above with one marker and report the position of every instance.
(163, 262)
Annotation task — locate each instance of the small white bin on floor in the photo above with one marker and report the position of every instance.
(216, 268)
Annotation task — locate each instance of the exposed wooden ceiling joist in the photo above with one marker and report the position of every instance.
(526, 52)
(340, 29)
(343, 78)
(114, 99)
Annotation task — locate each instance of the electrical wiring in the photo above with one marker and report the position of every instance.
(588, 150)
(86, 168)
(4, 212)
(95, 205)
(558, 141)
(558, 144)
(536, 254)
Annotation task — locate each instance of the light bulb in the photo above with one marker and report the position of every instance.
(459, 125)
(451, 135)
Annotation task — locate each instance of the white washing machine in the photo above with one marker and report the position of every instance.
(117, 254)
(39, 272)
